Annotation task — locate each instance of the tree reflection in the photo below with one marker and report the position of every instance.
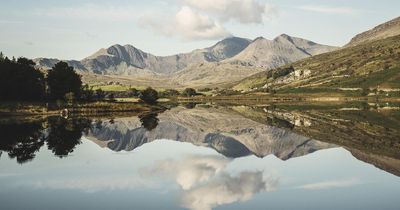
(149, 121)
(65, 134)
(21, 140)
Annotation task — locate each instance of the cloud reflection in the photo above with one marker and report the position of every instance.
(331, 184)
(190, 170)
(206, 184)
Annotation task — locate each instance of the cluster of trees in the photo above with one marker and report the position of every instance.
(21, 81)
(149, 95)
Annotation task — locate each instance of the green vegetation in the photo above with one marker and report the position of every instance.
(20, 80)
(149, 95)
(189, 92)
(389, 78)
(63, 80)
(367, 66)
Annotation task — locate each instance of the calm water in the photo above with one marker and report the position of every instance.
(205, 157)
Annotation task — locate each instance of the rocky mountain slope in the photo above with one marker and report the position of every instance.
(282, 50)
(368, 65)
(130, 61)
(385, 30)
(225, 131)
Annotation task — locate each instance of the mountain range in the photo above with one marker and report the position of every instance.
(248, 56)
(225, 131)
(234, 59)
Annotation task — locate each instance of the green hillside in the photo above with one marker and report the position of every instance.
(373, 65)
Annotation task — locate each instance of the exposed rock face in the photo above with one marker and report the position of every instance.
(227, 132)
(385, 30)
(128, 60)
(282, 50)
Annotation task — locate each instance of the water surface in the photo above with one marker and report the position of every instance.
(204, 157)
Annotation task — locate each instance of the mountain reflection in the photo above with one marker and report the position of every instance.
(227, 132)
(370, 133)
(206, 183)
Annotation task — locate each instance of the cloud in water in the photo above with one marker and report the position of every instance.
(202, 20)
(205, 183)
(331, 184)
(189, 171)
(225, 189)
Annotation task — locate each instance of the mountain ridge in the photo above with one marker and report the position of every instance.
(129, 60)
(384, 30)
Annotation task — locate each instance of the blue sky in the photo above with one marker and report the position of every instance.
(74, 29)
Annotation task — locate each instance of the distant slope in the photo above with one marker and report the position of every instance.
(212, 74)
(129, 60)
(385, 30)
(260, 54)
(282, 50)
(373, 64)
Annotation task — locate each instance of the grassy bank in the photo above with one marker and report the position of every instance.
(27, 108)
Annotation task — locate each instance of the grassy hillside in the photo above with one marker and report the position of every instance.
(370, 65)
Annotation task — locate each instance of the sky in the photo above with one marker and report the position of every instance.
(75, 29)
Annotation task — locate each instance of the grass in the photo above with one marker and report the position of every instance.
(385, 79)
(367, 65)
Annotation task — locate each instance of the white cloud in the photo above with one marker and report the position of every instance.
(90, 12)
(331, 184)
(187, 24)
(226, 189)
(329, 10)
(243, 11)
(202, 20)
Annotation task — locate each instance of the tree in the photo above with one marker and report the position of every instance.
(149, 121)
(20, 80)
(133, 92)
(170, 93)
(188, 92)
(63, 79)
(2, 57)
(149, 95)
(100, 95)
(87, 93)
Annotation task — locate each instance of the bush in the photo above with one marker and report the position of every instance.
(189, 92)
(149, 95)
(169, 93)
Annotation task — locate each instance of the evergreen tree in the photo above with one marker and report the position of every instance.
(62, 79)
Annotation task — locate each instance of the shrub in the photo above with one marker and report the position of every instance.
(149, 95)
(189, 92)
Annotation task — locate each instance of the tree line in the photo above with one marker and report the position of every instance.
(21, 81)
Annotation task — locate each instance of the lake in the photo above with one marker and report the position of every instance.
(205, 156)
